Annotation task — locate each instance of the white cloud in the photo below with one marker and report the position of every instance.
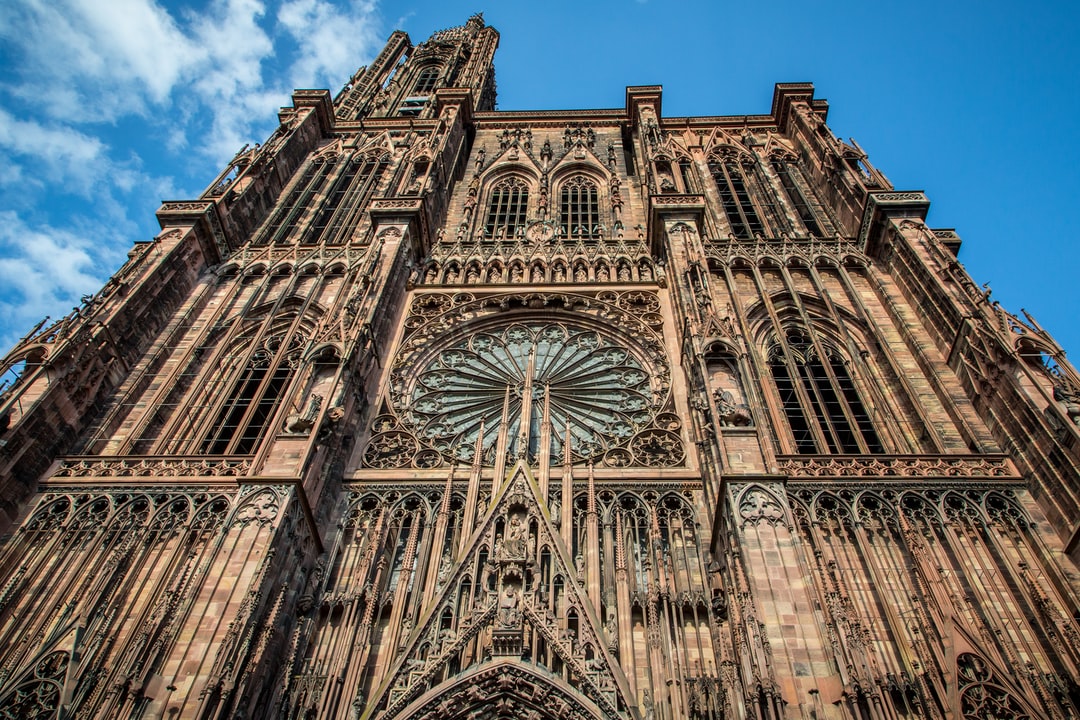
(44, 270)
(204, 81)
(318, 26)
(91, 60)
(87, 61)
(57, 157)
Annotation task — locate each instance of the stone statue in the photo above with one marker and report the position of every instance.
(731, 415)
(1070, 401)
(301, 423)
(514, 544)
(508, 607)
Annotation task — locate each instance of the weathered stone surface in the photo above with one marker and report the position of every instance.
(427, 410)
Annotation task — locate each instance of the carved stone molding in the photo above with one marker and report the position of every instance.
(898, 466)
(811, 250)
(153, 466)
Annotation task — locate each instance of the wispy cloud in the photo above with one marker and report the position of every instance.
(197, 82)
(58, 157)
(44, 270)
(92, 61)
(316, 26)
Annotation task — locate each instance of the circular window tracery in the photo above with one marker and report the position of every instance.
(599, 392)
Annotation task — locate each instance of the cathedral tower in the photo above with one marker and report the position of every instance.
(427, 410)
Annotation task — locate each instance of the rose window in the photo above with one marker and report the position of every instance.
(597, 392)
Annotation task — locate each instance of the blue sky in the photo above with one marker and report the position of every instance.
(106, 108)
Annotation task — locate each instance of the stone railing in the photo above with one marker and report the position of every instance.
(153, 466)
(982, 467)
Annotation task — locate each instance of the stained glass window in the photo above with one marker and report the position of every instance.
(596, 388)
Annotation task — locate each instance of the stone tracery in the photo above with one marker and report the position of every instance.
(600, 385)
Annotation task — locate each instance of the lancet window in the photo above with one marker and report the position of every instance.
(786, 172)
(340, 211)
(731, 183)
(250, 405)
(819, 399)
(425, 81)
(579, 208)
(291, 209)
(507, 207)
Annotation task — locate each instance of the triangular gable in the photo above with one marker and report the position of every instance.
(512, 157)
(582, 156)
(519, 521)
(983, 666)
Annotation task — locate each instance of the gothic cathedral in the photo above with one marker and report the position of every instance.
(427, 410)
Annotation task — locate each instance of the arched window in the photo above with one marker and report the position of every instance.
(819, 398)
(579, 208)
(242, 419)
(734, 196)
(349, 192)
(786, 172)
(507, 206)
(425, 81)
(288, 214)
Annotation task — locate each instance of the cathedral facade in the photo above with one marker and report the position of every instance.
(428, 410)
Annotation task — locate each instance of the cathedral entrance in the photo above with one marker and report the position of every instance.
(505, 689)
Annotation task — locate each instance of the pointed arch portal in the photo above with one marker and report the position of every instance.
(505, 688)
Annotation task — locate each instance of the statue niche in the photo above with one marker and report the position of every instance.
(728, 394)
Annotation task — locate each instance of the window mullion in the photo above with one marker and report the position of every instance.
(826, 364)
(817, 404)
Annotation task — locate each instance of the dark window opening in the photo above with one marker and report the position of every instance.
(425, 81)
(289, 211)
(506, 209)
(798, 200)
(242, 420)
(579, 208)
(821, 403)
(340, 210)
(735, 199)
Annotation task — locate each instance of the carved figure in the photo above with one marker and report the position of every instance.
(647, 705)
(301, 423)
(1070, 401)
(508, 608)
(731, 415)
(514, 544)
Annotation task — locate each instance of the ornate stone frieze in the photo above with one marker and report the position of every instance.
(837, 250)
(153, 466)
(888, 467)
